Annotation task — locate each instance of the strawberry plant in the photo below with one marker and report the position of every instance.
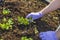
(26, 38)
(22, 20)
(7, 24)
(5, 11)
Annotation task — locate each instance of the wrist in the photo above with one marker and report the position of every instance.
(58, 35)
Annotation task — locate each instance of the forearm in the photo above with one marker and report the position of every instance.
(51, 7)
(58, 34)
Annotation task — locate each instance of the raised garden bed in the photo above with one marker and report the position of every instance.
(20, 30)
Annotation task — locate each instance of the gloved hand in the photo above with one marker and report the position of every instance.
(49, 35)
(34, 15)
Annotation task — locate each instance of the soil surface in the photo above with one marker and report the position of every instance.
(22, 8)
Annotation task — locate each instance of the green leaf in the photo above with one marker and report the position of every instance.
(30, 39)
(6, 11)
(23, 38)
(4, 19)
(7, 25)
(1, 39)
(22, 20)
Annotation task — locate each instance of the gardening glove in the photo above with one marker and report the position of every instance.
(49, 35)
(34, 15)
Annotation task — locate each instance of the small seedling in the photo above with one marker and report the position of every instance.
(5, 11)
(35, 30)
(26, 38)
(4, 19)
(1, 39)
(7, 24)
(22, 20)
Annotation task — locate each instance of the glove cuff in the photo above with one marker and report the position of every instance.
(41, 14)
(54, 35)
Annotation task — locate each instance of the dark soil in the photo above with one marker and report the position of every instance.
(22, 8)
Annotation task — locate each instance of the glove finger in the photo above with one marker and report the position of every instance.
(42, 34)
(43, 39)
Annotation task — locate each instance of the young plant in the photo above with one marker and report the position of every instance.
(35, 30)
(1, 39)
(22, 20)
(6, 11)
(7, 24)
(4, 19)
(25, 38)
